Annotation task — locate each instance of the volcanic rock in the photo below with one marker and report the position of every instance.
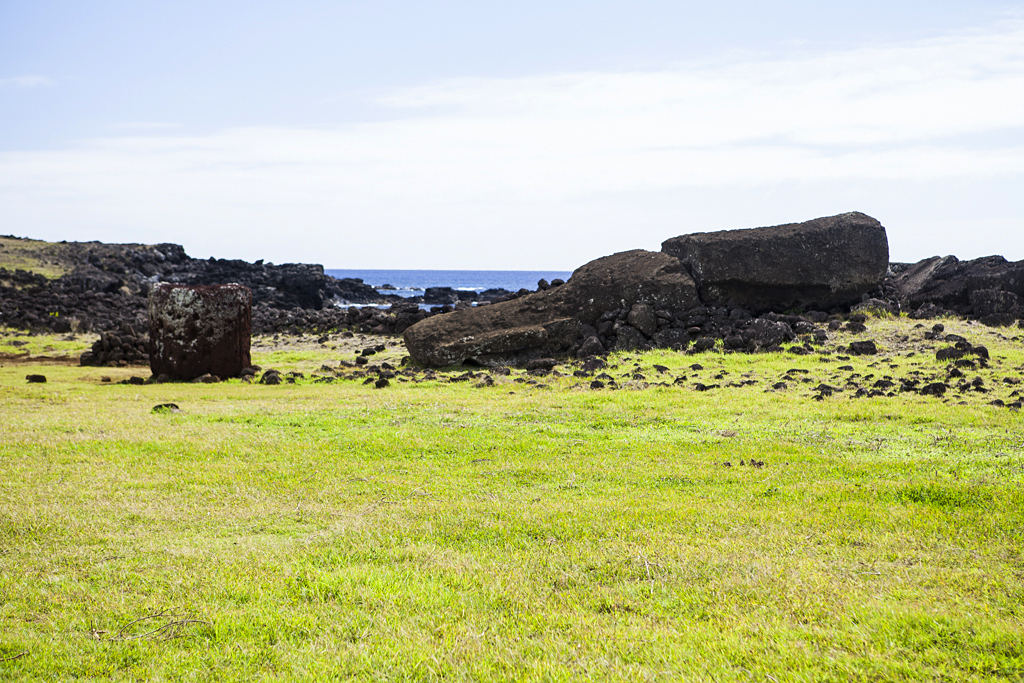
(440, 295)
(127, 346)
(271, 377)
(591, 346)
(551, 321)
(863, 348)
(195, 331)
(628, 338)
(949, 283)
(641, 316)
(671, 338)
(934, 389)
(820, 263)
(995, 307)
(766, 333)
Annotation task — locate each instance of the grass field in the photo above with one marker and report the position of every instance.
(448, 531)
(46, 258)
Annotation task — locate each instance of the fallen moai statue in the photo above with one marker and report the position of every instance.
(199, 330)
(820, 263)
(640, 299)
(551, 321)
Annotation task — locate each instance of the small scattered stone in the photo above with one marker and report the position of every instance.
(825, 390)
(934, 389)
(271, 377)
(863, 348)
(948, 353)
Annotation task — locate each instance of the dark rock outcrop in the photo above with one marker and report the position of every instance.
(447, 295)
(107, 285)
(552, 321)
(198, 331)
(821, 263)
(495, 294)
(989, 288)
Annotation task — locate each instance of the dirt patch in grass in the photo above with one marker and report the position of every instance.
(25, 359)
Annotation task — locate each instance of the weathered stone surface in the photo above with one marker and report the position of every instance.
(989, 302)
(671, 338)
(591, 346)
(766, 333)
(128, 346)
(641, 316)
(196, 331)
(948, 283)
(551, 321)
(820, 263)
(863, 348)
(628, 338)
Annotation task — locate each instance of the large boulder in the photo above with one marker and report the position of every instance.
(201, 330)
(948, 283)
(551, 321)
(820, 263)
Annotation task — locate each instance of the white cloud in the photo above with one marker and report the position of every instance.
(529, 159)
(25, 81)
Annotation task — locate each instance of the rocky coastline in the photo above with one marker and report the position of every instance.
(104, 287)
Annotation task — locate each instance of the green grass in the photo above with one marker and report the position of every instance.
(20, 343)
(46, 258)
(439, 531)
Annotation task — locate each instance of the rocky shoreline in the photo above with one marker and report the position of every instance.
(107, 285)
(105, 289)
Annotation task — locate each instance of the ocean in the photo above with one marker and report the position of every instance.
(413, 282)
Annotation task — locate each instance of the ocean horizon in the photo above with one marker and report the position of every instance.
(412, 282)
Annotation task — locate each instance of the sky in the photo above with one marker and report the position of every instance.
(519, 136)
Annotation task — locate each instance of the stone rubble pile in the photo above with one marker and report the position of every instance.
(126, 346)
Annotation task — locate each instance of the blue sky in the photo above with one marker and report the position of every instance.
(507, 135)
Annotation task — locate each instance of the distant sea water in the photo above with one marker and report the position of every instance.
(413, 282)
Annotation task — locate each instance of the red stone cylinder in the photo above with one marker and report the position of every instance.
(198, 330)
